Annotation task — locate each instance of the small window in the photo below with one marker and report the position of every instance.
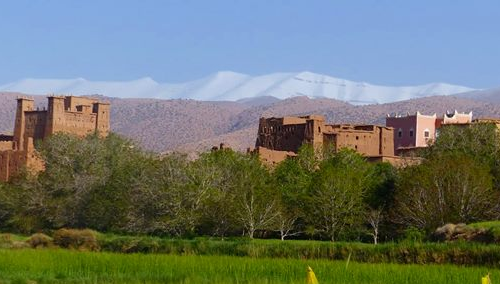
(357, 137)
(400, 133)
(426, 134)
(411, 132)
(319, 129)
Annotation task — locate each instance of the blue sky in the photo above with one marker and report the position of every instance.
(381, 42)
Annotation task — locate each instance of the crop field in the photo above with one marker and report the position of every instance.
(66, 266)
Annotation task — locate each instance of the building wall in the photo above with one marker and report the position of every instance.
(80, 124)
(78, 116)
(73, 115)
(402, 127)
(288, 134)
(71, 102)
(364, 142)
(410, 130)
(102, 111)
(272, 157)
(274, 134)
(6, 145)
(23, 105)
(315, 127)
(34, 124)
(426, 130)
(369, 140)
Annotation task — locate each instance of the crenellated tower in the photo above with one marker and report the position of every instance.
(24, 104)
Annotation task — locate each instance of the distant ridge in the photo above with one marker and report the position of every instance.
(191, 126)
(232, 86)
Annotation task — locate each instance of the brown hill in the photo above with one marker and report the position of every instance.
(338, 112)
(188, 125)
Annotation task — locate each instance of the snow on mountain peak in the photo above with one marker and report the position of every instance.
(233, 86)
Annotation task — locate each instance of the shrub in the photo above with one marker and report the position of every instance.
(414, 235)
(77, 239)
(39, 240)
(493, 228)
(5, 240)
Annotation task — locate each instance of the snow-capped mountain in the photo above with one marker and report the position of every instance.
(231, 86)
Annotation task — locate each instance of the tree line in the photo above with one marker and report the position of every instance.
(112, 185)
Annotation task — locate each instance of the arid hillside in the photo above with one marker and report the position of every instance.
(190, 126)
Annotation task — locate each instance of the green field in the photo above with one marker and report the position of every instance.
(66, 266)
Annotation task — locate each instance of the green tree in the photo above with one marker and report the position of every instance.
(158, 200)
(449, 188)
(292, 182)
(337, 192)
(82, 182)
(480, 142)
(218, 171)
(256, 200)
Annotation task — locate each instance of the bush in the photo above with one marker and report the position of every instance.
(40, 240)
(414, 235)
(493, 228)
(410, 251)
(5, 240)
(77, 239)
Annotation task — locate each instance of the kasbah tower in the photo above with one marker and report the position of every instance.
(67, 114)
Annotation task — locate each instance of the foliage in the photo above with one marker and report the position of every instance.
(492, 226)
(111, 185)
(480, 141)
(76, 239)
(40, 240)
(450, 188)
(337, 192)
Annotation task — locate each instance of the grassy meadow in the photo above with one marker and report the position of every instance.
(68, 266)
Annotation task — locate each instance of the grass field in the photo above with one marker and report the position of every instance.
(66, 266)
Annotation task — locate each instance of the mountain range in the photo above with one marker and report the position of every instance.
(231, 86)
(193, 126)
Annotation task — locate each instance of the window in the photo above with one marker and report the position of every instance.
(400, 133)
(411, 132)
(426, 133)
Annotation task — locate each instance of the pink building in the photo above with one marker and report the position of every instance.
(418, 130)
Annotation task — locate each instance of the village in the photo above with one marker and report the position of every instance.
(278, 138)
(249, 142)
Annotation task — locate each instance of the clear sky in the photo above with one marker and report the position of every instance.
(382, 42)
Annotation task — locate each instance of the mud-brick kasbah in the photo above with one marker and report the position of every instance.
(277, 138)
(76, 115)
(396, 143)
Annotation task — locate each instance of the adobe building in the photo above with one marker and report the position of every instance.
(75, 115)
(418, 130)
(282, 137)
